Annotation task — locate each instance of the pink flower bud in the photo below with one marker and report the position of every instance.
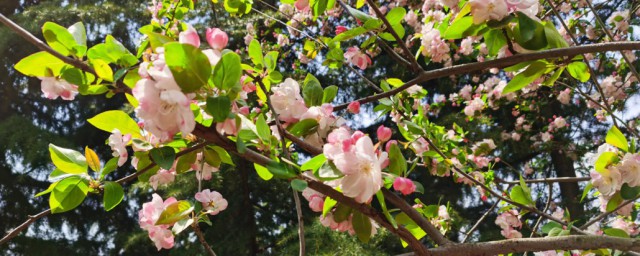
(384, 133)
(217, 38)
(356, 136)
(404, 185)
(244, 110)
(354, 107)
(189, 36)
(340, 29)
(391, 142)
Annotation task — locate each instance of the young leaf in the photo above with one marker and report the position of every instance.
(116, 119)
(175, 212)
(163, 157)
(303, 127)
(629, 193)
(519, 195)
(264, 132)
(383, 205)
(526, 77)
(92, 159)
(255, 52)
(68, 160)
(616, 138)
(329, 94)
(263, 172)
(396, 15)
(40, 64)
(314, 163)
(579, 70)
(113, 195)
(68, 194)
(59, 38)
(181, 225)
(616, 232)
(109, 167)
(228, 71)
(312, 91)
(280, 170)
(190, 67)
(397, 163)
(329, 203)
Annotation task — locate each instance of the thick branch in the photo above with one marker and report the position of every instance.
(500, 63)
(539, 244)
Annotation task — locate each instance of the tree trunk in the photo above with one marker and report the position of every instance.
(569, 190)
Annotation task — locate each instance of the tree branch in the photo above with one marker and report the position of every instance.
(499, 63)
(203, 241)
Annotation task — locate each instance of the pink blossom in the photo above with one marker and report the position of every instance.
(287, 101)
(212, 201)
(485, 10)
(118, 144)
(340, 29)
(357, 58)
(404, 185)
(217, 38)
(564, 96)
(162, 177)
(607, 181)
(316, 200)
(354, 107)
(203, 169)
(433, 45)
(384, 133)
(227, 127)
(163, 107)
(189, 36)
(466, 46)
(148, 216)
(213, 55)
(54, 88)
(283, 40)
(509, 219)
(511, 233)
(629, 228)
(302, 5)
(630, 169)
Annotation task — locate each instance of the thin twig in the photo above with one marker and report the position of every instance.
(203, 241)
(546, 180)
(546, 208)
(484, 216)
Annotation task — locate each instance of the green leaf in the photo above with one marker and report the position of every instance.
(228, 71)
(329, 94)
(113, 195)
(219, 108)
(629, 193)
(299, 185)
(182, 225)
(263, 172)
(312, 91)
(48, 190)
(587, 188)
(109, 167)
(255, 52)
(318, 7)
(579, 70)
(175, 212)
(40, 64)
(495, 40)
(79, 33)
(314, 163)
(280, 170)
(59, 38)
(519, 195)
(526, 77)
(616, 232)
(341, 213)
(397, 162)
(116, 119)
(383, 205)
(68, 160)
(190, 67)
(163, 157)
(271, 60)
(327, 172)
(362, 226)
(363, 17)
(613, 203)
(458, 28)
(264, 132)
(303, 127)
(68, 194)
(529, 33)
(157, 40)
(185, 161)
(396, 15)
(554, 39)
(224, 155)
(604, 160)
(103, 69)
(546, 228)
(92, 159)
(616, 138)
(410, 225)
(329, 203)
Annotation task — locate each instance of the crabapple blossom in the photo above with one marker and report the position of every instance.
(287, 101)
(384, 133)
(212, 201)
(564, 96)
(508, 221)
(354, 107)
(217, 38)
(316, 200)
(357, 58)
(484, 10)
(607, 181)
(162, 177)
(630, 169)
(52, 88)
(189, 36)
(404, 185)
(203, 169)
(161, 236)
(118, 144)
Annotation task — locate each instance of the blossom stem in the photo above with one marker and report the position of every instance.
(200, 235)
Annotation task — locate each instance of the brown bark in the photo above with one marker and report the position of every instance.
(569, 190)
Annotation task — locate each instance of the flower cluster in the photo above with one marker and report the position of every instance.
(161, 236)
(508, 221)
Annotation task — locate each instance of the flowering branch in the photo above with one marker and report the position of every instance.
(499, 63)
